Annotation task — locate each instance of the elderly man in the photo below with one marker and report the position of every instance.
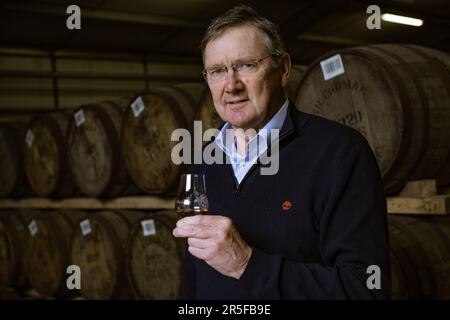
(316, 229)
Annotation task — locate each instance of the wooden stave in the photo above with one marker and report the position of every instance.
(404, 281)
(436, 146)
(167, 220)
(182, 101)
(9, 293)
(295, 77)
(25, 215)
(60, 225)
(118, 182)
(10, 274)
(56, 124)
(207, 113)
(193, 89)
(424, 264)
(14, 134)
(139, 173)
(117, 225)
(442, 68)
(111, 232)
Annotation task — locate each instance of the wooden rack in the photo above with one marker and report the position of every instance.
(417, 197)
(134, 202)
(420, 197)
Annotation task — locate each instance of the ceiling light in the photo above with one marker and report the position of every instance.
(402, 20)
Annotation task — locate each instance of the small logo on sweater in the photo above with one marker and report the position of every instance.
(286, 205)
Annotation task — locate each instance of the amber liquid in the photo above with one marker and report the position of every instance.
(187, 213)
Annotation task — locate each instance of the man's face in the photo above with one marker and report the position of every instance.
(245, 101)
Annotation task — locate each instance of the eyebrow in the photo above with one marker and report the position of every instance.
(234, 62)
(215, 66)
(244, 60)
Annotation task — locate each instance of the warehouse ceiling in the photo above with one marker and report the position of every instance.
(172, 29)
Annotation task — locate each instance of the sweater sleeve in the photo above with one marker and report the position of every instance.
(353, 236)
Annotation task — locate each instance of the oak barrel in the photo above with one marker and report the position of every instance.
(420, 254)
(207, 113)
(13, 231)
(295, 77)
(13, 182)
(147, 129)
(98, 248)
(46, 157)
(396, 96)
(193, 89)
(94, 142)
(47, 252)
(7, 293)
(155, 257)
(442, 66)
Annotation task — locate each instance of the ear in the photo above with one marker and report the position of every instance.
(285, 67)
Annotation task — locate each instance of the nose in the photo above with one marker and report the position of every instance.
(233, 82)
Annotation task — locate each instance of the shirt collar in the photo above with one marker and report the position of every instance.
(275, 123)
(277, 120)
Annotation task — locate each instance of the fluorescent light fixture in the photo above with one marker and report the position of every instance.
(402, 20)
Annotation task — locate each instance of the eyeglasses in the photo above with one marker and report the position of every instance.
(219, 73)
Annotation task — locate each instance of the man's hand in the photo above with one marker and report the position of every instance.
(215, 240)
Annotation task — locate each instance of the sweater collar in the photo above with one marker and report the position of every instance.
(294, 122)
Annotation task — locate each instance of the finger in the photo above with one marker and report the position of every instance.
(186, 220)
(195, 231)
(177, 233)
(199, 243)
(198, 253)
(189, 220)
(207, 220)
(183, 232)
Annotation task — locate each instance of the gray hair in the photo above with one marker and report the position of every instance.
(240, 15)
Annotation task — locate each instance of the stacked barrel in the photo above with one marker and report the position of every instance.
(99, 150)
(120, 254)
(104, 149)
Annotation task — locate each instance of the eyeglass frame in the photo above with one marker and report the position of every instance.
(233, 66)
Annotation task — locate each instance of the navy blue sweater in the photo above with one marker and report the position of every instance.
(314, 227)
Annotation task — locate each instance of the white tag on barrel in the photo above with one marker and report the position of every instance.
(29, 137)
(148, 227)
(85, 227)
(332, 67)
(33, 227)
(137, 106)
(79, 118)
